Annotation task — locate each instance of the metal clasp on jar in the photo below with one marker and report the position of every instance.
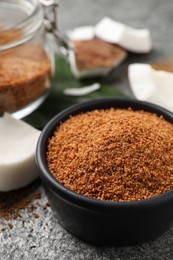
(51, 24)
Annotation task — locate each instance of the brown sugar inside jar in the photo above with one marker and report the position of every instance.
(26, 61)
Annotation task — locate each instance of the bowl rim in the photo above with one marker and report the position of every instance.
(73, 196)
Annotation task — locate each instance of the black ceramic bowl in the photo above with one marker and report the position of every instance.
(102, 222)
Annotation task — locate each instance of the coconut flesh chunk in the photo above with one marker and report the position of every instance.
(81, 33)
(17, 153)
(94, 58)
(148, 84)
(134, 40)
(82, 91)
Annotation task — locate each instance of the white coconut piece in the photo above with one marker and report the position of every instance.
(134, 40)
(81, 33)
(82, 91)
(86, 73)
(94, 58)
(148, 84)
(17, 153)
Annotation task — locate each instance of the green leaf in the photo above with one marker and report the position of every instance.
(57, 101)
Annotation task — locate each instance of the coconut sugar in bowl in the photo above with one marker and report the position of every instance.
(26, 59)
(107, 168)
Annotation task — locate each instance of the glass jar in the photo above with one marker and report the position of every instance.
(26, 59)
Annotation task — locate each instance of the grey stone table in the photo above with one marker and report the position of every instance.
(38, 236)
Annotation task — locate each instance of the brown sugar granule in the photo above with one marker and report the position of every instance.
(11, 203)
(36, 215)
(25, 75)
(10, 225)
(113, 154)
(45, 206)
(97, 53)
